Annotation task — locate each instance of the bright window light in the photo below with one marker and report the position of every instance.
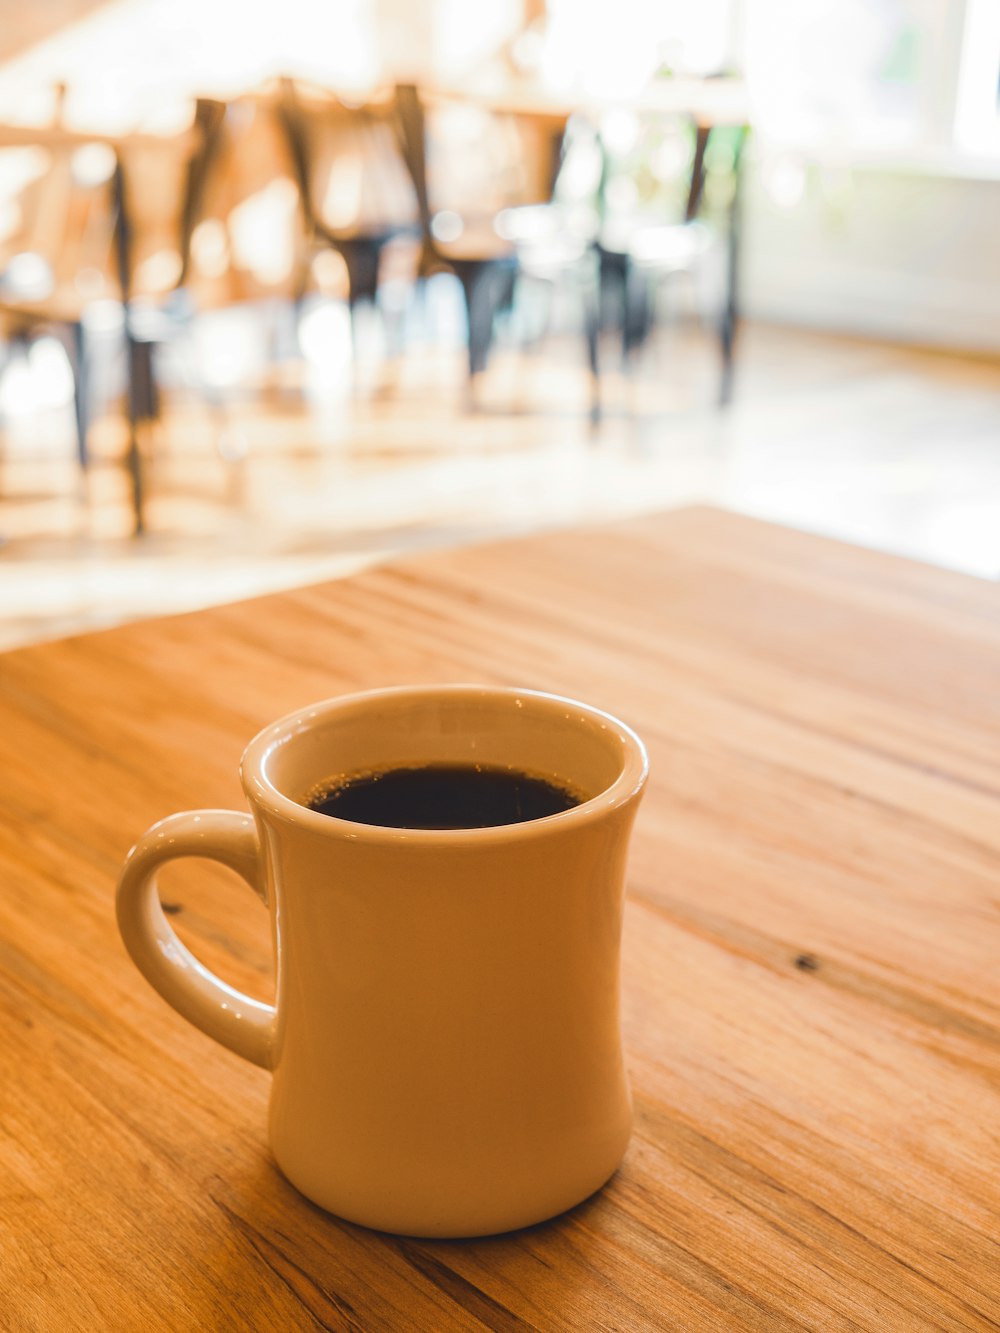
(977, 111)
(649, 36)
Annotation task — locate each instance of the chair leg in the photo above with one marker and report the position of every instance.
(611, 292)
(731, 309)
(637, 319)
(133, 462)
(362, 260)
(727, 337)
(730, 320)
(136, 403)
(77, 349)
(142, 383)
(479, 307)
(72, 337)
(5, 360)
(592, 332)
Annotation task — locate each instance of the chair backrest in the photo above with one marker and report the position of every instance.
(541, 139)
(350, 170)
(159, 183)
(481, 159)
(472, 160)
(57, 218)
(410, 124)
(716, 181)
(106, 217)
(670, 167)
(248, 236)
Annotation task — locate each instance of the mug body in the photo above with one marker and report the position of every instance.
(447, 1059)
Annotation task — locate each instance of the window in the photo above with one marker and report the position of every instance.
(977, 111)
(882, 77)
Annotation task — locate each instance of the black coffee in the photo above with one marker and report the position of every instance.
(442, 796)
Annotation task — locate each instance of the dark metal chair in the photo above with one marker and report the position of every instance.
(556, 240)
(647, 246)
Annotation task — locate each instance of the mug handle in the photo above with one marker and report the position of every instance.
(243, 1024)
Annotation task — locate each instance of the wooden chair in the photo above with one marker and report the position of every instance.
(489, 209)
(357, 195)
(58, 246)
(158, 187)
(248, 239)
(241, 240)
(457, 202)
(105, 219)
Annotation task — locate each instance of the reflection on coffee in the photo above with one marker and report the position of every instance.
(442, 796)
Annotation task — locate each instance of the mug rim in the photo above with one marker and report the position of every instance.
(261, 791)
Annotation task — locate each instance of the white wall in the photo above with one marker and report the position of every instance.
(908, 254)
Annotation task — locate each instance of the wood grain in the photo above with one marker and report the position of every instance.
(812, 997)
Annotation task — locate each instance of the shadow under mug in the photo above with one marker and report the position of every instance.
(445, 1043)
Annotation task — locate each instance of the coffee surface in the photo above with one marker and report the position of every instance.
(442, 796)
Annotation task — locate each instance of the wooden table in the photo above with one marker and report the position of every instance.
(708, 101)
(811, 996)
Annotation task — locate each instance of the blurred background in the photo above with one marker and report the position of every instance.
(288, 289)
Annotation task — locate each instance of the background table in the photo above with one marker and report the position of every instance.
(811, 1001)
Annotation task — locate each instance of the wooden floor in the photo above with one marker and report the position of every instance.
(318, 471)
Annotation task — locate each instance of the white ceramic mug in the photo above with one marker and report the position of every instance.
(445, 1042)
